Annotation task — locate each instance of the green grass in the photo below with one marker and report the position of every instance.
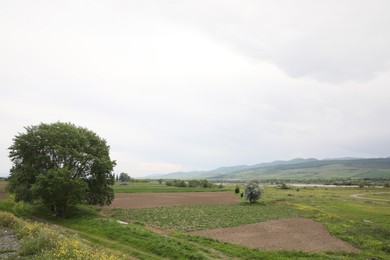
(383, 195)
(145, 187)
(363, 223)
(200, 217)
(136, 236)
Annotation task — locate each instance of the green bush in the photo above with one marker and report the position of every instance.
(8, 220)
(252, 191)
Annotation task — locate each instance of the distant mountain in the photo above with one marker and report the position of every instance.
(297, 169)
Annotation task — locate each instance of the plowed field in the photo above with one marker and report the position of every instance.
(151, 200)
(284, 234)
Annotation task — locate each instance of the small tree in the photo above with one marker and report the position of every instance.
(284, 186)
(252, 191)
(237, 189)
(124, 177)
(193, 183)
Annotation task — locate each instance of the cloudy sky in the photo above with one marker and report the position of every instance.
(194, 85)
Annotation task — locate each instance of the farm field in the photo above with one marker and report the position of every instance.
(168, 231)
(152, 200)
(147, 187)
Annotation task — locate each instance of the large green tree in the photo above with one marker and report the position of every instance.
(61, 165)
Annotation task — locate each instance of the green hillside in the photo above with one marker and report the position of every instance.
(296, 169)
(360, 168)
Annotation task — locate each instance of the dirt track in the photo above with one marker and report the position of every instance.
(361, 196)
(284, 234)
(151, 200)
(3, 194)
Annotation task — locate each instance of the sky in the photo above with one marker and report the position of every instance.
(195, 85)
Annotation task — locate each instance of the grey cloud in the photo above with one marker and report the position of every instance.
(325, 40)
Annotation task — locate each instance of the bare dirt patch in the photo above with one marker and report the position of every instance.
(151, 200)
(9, 243)
(3, 194)
(284, 234)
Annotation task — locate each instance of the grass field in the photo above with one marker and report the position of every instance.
(163, 232)
(200, 217)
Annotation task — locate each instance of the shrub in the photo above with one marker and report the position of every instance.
(283, 186)
(43, 241)
(237, 189)
(252, 191)
(7, 220)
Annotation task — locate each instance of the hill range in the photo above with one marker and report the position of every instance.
(296, 169)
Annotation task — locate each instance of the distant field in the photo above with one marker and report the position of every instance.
(362, 223)
(152, 200)
(146, 187)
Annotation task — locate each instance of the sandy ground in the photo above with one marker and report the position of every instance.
(287, 234)
(151, 200)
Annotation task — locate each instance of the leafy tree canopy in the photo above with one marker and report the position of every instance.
(61, 165)
(124, 177)
(252, 191)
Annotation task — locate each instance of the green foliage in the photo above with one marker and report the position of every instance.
(8, 220)
(124, 177)
(138, 187)
(252, 191)
(58, 190)
(65, 157)
(237, 189)
(191, 183)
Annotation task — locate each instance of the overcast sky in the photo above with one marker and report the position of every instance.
(195, 85)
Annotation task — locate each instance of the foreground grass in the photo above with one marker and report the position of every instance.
(43, 241)
(144, 243)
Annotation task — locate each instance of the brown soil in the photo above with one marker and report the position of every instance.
(151, 200)
(3, 194)
(284, 234)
